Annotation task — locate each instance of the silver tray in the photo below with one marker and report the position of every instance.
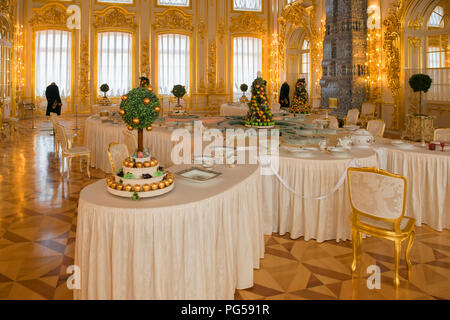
(198, 174)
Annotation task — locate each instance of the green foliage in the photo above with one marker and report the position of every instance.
(420, 82)
(135, 108)
(104, 88)
(244, 87)
(259, 113)
(179, 91)
(135, 197)
(144, 82)
(300, 100)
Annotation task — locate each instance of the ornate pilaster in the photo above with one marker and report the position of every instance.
(391, 48)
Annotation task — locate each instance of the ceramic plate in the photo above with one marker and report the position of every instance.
(199, 174)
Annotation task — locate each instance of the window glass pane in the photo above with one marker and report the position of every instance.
(436, 18)
(247, 61)
(53, 61)
(116, 1)
(173, 62)
(180, 3)
(247, 5)
(114, 62)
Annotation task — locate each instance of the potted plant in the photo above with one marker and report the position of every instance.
(244, 89)
(105, 101)
(179, 92)
(420, 83)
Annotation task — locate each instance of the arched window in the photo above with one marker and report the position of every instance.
(53, 61)
(178, 3)
(173, 62)
(5, 58)
(305, 65)
(115, 61)
(247, 61)
(437, 18)
(438, 54)
(247, 5)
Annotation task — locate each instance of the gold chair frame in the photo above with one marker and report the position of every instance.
(383, 128)
(111, 162)
(397, 235)
(65, 151)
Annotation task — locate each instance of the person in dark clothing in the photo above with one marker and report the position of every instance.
(53, 99)
(284, 96)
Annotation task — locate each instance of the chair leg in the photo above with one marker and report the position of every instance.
(88, 165)
(398, 249)
(69, 167)
(81, 165)
(355, 239)
(411, 239)
(62, 165)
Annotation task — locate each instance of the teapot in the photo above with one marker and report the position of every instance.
(362, 138)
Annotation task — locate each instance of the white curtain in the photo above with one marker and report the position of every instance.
(247, 61)
(53, 61)
(247, 5)
(174, 62)
(114, 62)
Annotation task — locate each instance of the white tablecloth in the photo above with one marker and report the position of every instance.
(201, 241)
(97, 108)
(428, 176)
(99, 135)
(241, 109)
(327, 219)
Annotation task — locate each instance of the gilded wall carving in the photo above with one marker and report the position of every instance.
(391, 48)
(173, 19)
(248, 23)
(84, 85)
(50, 15)
(114, 17)
(145, 60)
(212, 66)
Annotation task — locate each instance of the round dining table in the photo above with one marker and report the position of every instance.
(201, 241)
(98, 135)
(428, 180)
(308, 197)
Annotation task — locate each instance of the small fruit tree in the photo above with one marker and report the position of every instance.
(139, 109)
(259, 113)
(179, 92)
(300, 100)
(420, 83)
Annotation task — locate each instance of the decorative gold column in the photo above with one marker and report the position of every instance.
(391, 47)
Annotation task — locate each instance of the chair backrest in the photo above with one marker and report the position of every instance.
(352, 117)
(333, 103)
(316, 103)
(442, 135)
(334, 123)
(368, 109)
(61, 136)
(117, 153)
(376, 127)
(377, 193)
(130, 141)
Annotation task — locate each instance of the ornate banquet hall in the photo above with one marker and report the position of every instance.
(225, 150)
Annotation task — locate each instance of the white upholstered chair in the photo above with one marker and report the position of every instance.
(378, 203)
(57, 139)
(367, 113)
(442, 135)
(376, 128)
(117, 153)
(71, 152)
(334, 123)
(352, 117)
(130, 141)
